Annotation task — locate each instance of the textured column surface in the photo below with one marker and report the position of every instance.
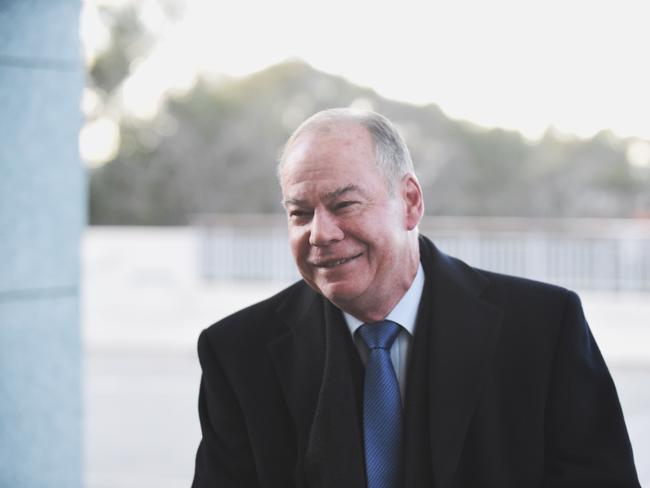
(41, 218)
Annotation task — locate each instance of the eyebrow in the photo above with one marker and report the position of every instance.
(341, 191)
(331, 195)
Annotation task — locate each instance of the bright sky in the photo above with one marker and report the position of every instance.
(580, 66)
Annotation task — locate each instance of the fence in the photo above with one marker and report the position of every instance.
(598, 254)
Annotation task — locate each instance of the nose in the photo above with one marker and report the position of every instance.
(325, 229)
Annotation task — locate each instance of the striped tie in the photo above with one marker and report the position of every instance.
(382, 407)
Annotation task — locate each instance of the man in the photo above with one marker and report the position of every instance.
(486, 380)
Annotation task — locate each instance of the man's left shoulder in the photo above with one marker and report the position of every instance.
(537, 307)
(518, 288)
(497, 288)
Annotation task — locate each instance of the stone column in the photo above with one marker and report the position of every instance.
(42, 213)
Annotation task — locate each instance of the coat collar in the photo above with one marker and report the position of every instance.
(453, 355)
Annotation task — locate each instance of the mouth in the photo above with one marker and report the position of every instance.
(333, 263)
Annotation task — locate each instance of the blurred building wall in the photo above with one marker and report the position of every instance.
(41, 217)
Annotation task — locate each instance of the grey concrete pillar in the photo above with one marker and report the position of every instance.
(41, 218)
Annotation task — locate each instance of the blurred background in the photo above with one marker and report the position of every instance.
(139, 202)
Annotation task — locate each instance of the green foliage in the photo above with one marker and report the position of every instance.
(130, 42)
(214, 150)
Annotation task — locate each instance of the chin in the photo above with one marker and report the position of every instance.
(339, 292)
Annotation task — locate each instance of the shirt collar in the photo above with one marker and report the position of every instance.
(404, 313)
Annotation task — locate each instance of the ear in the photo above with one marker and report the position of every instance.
(413, 201)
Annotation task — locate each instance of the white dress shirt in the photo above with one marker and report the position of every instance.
(405, 314)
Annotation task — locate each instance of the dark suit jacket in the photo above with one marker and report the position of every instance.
(506, 388)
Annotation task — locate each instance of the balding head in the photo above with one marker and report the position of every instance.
(391, 154)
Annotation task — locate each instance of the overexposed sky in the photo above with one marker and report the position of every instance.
(580, 66)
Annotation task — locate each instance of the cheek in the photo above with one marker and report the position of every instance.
(382, 250)
(299, 244)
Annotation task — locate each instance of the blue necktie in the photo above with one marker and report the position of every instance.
(382, 407)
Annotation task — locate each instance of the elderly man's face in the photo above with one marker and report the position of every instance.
(349, 237)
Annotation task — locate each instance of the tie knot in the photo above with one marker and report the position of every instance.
(379, 335)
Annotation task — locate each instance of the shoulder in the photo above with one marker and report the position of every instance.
(516, 288)
(524, 304)
(530, 304)
(253, 325)
(498, 288)
(535, 313)
(536, 317)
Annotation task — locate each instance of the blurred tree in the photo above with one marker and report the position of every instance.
(214, 149)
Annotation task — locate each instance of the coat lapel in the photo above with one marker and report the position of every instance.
(298, 358)
(313, 365)
(461, 342)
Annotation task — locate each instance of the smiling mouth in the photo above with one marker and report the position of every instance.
(338, 262)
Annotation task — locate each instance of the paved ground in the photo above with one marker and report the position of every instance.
(143, 310)
(141, 427)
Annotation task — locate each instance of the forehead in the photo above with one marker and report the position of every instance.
(340, 154)
(331, 139)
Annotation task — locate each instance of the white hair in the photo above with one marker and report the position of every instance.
(391, 154)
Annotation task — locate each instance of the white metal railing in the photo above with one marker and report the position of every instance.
(601, 254)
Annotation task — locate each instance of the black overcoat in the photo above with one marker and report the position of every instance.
(506, 388)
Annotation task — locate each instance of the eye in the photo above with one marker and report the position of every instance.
(299, 215)
(344, 204)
